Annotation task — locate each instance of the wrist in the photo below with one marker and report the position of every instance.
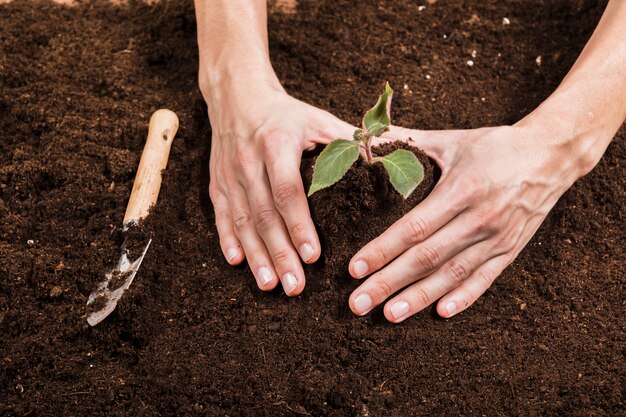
(569, 133)
(216, 82)
(235, 92)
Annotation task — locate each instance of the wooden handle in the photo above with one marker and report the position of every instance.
(163, 127)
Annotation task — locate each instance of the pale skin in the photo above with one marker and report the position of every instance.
(497, 185)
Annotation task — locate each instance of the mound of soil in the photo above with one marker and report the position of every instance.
(194, 336)
(361, 206)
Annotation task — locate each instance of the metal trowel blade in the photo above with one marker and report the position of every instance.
(105, 297)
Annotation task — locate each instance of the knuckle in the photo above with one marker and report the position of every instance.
(416, 230)
(241, 220)
(422, 298)
(265, 219)
(266, 133)
(285, 194)
(383, 288)
(214, 191)
(220, 216)
(242, 155)
(257, 257)
(470, 188)
(268, 136)
(459, 272)
(297, 229)
(505, 240)
(245, 163)
(267, 145)
(426, 258)
(281, 257)
(487, 221)
(383, 253)
(486, 278)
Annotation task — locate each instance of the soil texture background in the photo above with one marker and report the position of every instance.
(194, 336)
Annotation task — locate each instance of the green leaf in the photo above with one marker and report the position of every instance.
(405, 171)
(378, 119)
(333, 163)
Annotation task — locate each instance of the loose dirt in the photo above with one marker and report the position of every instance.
(193, 336)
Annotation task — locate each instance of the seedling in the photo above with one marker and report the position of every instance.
(404, 169)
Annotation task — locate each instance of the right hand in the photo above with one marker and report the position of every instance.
(261, 211)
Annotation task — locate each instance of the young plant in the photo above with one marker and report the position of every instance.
(404, 169)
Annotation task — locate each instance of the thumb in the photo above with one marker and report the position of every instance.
(433, 142)
(329, 129)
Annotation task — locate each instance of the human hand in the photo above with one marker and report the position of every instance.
(497, 186)
(261, 211)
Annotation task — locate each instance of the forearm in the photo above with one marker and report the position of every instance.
(589, 106)
(232, 44)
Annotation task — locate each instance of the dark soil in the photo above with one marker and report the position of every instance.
(193, 336)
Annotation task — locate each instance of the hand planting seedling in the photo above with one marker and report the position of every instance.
(404, 169)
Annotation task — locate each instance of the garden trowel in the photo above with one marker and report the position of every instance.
(103, 300)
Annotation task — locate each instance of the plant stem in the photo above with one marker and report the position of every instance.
(368, 149)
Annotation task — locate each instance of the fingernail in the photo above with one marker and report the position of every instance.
(360, 268)
(399, 309)
(363, 303)
(265, 276)
(306, 252)
(231, 254)
(451, 308)
(289, 282)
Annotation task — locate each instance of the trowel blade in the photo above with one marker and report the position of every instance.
(104, 298)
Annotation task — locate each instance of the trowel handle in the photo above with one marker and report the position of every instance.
(163, 127)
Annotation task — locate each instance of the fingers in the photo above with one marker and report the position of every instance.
(243, 224)
(231, 248)
(416, 263)
(272, 230)
(283, 169)
(469, 291)
(415, 227)
(448, 277)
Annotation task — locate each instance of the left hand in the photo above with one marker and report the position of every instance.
(497, 186)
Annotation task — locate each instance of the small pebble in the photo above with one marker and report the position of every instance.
(482, 99)
(428, 76)
(30, 242)
(470, 63)
(506, 21)
(538, 61)
(56, 291)
(406, 86)
(474, 53)
(421, 8)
